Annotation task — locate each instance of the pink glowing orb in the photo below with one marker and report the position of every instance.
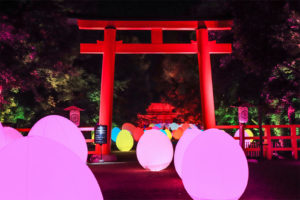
(62, 130)
(188, 136)
(11, 134)
(137, 134)
(214, 167)
(38, 168)
(2, 140)
(154, 150)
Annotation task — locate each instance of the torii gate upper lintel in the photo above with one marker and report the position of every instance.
(109, 47)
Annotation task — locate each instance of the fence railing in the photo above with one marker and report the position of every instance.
(271, 143)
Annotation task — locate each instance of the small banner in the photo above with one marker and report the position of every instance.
(100, 134)
(243, 115)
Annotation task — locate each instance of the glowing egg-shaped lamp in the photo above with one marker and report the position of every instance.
(62, 130)
(248, 133)
(151, 125)
(158, 125)
(124, 141)
(129, 127)
(173, 126)
(185, 126)
(114, 133)
(193, 126)
(188, 136)
(167, 133)
(49, 171)
(137, 134)
(177, 133)
(2, 140)
(154, 150)
(214, 167)
(11, 134)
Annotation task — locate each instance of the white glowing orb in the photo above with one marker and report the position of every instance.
(62, 130)
(247, 133)
(188, 136)
(154, 150)
(173, 126)
(11, 134)
(49, 171)
(124, 141)
(114, 133)
(214, 167)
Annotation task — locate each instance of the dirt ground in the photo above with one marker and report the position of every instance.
(126, 179)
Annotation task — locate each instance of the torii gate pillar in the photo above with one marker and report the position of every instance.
(205, 78)
(107, 85)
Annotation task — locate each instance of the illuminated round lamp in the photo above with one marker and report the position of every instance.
(164, 132)
(154, 150)
(129, 127)
(193, 126)
(11, 134)
(188, 136)
(158, 125)
(151, 125)
(50, 163)
(114, 133)
(214, 166)
(137, 134)
(2, 143)
(248, 133)
(173, 126)
(177, 133)
(63, 131)
(168, 133)
(124, 141)
(185, 126)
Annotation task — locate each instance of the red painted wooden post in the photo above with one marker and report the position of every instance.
(269, 141)
(205, 78)
(294, 142)
(107, 86)
(156, 36)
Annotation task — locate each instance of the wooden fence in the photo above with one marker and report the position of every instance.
(271, 143)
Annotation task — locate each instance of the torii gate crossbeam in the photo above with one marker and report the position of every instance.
(109, 47)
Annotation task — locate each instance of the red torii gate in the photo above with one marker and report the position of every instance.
(110, 47)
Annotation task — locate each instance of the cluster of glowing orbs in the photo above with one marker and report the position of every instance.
(114, 133)
(124, 141)
(49, 171)
(247, 133)
(154, 150)
(129, 127)
(63, 131)
(177, 133)
(214, 167)
(188, 136)
(137, 134)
